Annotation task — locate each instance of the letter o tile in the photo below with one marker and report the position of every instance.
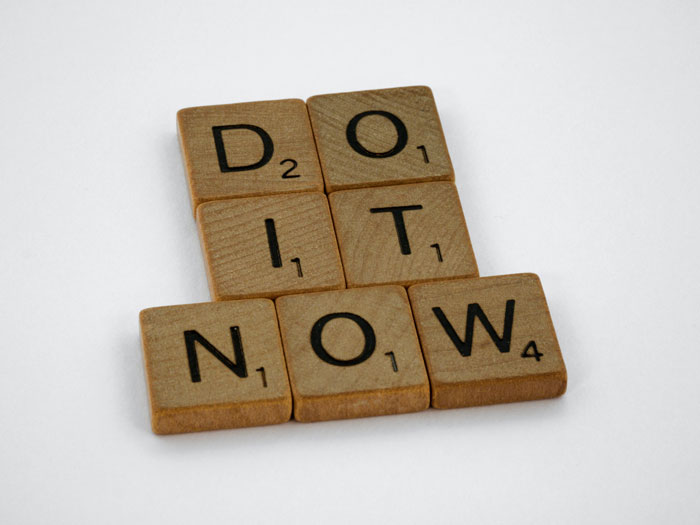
(352, 353)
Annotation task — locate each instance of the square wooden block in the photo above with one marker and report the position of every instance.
(269, 246)
(379, 138)
(488, 340)
(352, 353)
(402, 234)
(249, 149)
(214, 365)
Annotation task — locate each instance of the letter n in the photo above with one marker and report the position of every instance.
(192, 337)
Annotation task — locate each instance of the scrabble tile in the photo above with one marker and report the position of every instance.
(249, 149)
(352, 353)
(269, 246)
(402, 234)
(214, 365)
(379, 138)
(488, 340)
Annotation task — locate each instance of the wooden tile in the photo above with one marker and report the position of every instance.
(269, 246)
(214, 365)
(402, 234)
(378, 138)
(352, 353)
(249, 149)
(507, 351)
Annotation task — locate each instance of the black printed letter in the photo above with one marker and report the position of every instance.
(473, 311)
(397, 212)
(268, 148)
(401, 139)
(367, 331)
(193, 336)
(272, 243)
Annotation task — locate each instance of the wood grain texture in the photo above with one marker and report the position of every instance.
(382, 383)
(488, 375)
(221, 398)
(344, 167)
(286, 122)
(236, 240)
(371, 242)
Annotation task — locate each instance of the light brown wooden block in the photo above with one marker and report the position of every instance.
(191, 388)
(507, 350)
(352, 353)
(269, 246)
(378, 138)
(249, 149)
(402, 234)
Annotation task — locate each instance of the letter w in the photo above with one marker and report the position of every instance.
(474, 311)
(238, 367)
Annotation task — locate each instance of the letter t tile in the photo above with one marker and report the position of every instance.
(402, 234)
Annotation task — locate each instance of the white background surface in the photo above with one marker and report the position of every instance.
(574, 129)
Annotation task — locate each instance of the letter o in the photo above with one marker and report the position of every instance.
(401, 140)
(322, 353)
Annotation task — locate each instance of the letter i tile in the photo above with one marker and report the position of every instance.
(352, 353)
(269, 246)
